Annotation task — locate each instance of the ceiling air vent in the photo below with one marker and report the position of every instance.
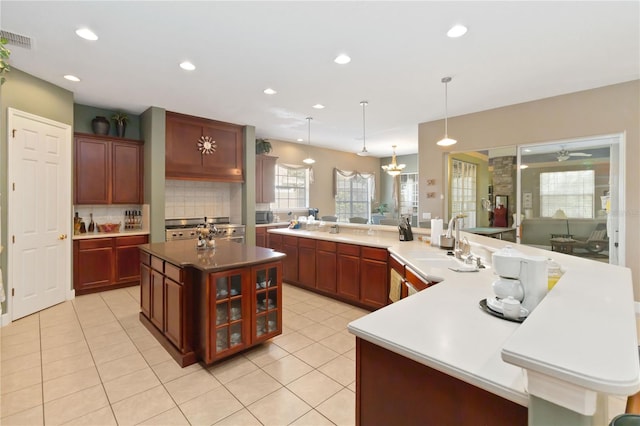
(16, 39)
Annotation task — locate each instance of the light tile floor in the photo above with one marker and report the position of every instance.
(91, 362)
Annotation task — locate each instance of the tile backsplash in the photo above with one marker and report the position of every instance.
(191, 199)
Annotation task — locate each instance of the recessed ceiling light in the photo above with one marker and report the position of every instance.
(71, 77)
(527, 150)
(523, 166)
(186, 65)
(300, 139)
(457, 31)
(269, 91)
(318, 106)
(86, 34)
(342, 59)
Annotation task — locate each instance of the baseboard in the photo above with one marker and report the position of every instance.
(5, 320)
(71, 294)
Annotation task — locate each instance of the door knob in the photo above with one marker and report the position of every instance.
(62, 237)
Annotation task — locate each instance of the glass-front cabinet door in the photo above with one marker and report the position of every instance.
(267, 298)
(231, 315)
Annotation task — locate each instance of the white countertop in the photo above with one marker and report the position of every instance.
(90, 235)
(583, 332)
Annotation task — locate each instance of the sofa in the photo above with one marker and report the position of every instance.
(539, 231)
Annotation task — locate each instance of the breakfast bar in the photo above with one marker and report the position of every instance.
(437, 358)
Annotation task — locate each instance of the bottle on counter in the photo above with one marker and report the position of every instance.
(76, 224)
(554, 272)
(92, 225)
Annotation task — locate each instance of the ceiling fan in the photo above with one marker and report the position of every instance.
(564, 155)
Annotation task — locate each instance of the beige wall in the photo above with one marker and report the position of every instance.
(606, 110)
(321, 194)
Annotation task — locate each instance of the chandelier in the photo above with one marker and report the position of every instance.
(394, 169)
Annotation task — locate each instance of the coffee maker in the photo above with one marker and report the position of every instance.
(522, 277)
(313, 212)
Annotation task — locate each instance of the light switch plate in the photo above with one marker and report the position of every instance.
(426, 215)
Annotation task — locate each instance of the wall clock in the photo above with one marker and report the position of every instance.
(206, 145)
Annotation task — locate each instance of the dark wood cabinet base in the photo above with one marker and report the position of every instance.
(183, 359)
(394, 390)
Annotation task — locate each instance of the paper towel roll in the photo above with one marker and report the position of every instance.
(436, 231)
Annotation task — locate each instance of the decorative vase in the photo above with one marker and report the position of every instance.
(100, 125)
(121, 127)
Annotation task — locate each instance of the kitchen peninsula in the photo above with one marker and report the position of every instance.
(205, 305)
(437, 358)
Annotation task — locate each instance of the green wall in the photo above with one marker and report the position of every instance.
(83, 114)
(153, 128)
(29, 94)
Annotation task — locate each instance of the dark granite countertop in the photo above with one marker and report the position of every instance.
(226, 255)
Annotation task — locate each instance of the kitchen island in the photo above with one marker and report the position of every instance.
(437, 358)
(205, 305)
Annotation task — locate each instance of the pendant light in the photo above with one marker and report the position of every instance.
(309, 160)
(446, 141)
(364, 151)
(393, 169)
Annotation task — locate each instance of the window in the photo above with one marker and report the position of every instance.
(572, 192)
(353, 195)
(463, 191)
(409, 194)
(292, 185)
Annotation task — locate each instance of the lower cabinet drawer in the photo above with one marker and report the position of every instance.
(173, 272)
(157, 264)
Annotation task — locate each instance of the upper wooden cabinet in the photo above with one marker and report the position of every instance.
(265, 179)
(108, 170)
(187, 159)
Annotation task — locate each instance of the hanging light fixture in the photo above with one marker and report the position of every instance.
(309, 160)
(394, 169)
(446, 141)
(364, 151)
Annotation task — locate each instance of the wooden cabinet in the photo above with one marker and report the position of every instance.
(267, 299)
(184, 159)
(348, 276)
(307, 262)
(261, 236)
(326, 266)
(274, 241)
(145, 285)
(265, 178)
(290, 263)
(394, 390)
(93, 264)
(156, 314)
(165, 303)
(108, 170)
(374, 288)
(106, 263)
(244, 308)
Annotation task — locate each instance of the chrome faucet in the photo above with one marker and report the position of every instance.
(454, 223)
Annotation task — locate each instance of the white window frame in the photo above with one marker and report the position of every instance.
(572, 191)
(283, 172)
(344, 216)
(464, 199)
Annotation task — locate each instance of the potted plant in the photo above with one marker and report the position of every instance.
(263, 146)
(120, 119)
(4, 57)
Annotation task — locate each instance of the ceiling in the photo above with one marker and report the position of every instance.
(513, 52)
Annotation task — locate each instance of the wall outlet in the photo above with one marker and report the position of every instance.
(426, 216)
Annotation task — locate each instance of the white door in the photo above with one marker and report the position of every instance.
(39, 204)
